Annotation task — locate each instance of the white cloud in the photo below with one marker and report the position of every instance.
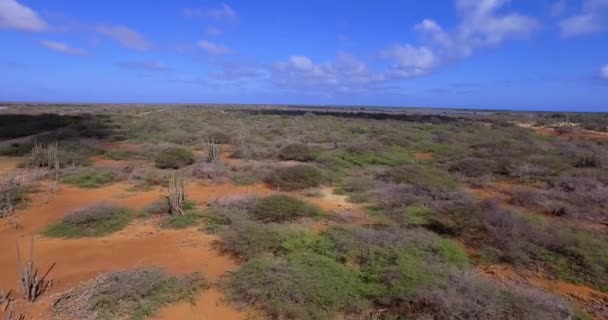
(482, 24)
(604, 72)
(125, 36)
(224, 13)
(63, 48)
(345, 74)
(589, 20)
(14, 15)
(212, 48)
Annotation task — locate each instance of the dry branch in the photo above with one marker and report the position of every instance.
(31, 284)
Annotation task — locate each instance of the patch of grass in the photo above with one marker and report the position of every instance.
(90, 178)
(135, 295)
(424, 177)
(283, 208)
(295, 177)
(299, 286)
(174, 158)
(93, 221)
(394, 156)
(178, 221)
(121, 155)
(296, 151)
(16, 150)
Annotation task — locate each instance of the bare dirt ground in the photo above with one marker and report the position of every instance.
(423, 156)
(141, 244)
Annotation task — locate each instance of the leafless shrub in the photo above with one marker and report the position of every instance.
(32, 285)
(527, 172)
(469, 296)
(209, 171)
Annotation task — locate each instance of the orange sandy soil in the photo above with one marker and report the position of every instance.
(8, 165)
(423, 156)
(577, 133)
(141, 244)
(594, 301)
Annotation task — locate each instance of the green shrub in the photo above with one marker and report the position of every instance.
(296, 151)
(295, 177)
(283, 208)
(90, 178)
(248, 239)
(17, 195)
(424, 177)
(218, 137)
(120, 155)
(93, 221)
(174, 158)
(302, 286)
(136, 295)
(392, 156)
(178, 221)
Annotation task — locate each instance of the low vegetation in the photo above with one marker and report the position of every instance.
(429, 228)
(297, 152)
(173, 158)
(136, 295)
(295, 177)
(93, 221)
(90, 177)
(282, 208)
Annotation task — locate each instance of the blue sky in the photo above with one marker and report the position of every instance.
(519, 54)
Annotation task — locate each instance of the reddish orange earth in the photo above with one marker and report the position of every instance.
(141, 244)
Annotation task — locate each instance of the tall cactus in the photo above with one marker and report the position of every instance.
(177, 197)
(213, 150)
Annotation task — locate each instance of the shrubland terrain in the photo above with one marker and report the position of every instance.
(244, 212)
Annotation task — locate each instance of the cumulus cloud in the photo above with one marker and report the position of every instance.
(483, 23)
(144, 65)
(127, 37)
(343, 74)
(604, 72)
(212, 48)
(590, 19)
(223, 13)
(63, 48)
(14, 15)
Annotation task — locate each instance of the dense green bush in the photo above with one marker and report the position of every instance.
(296, 151)
(295, 177)
(174, 158)
(303, 286)
(93, 221)
(283, 208)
